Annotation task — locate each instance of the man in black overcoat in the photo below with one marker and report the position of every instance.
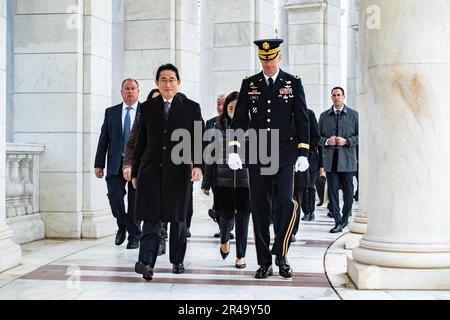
(163, 172)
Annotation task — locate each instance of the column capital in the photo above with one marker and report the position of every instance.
(308, 5)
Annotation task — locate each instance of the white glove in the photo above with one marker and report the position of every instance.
(302, 164)
(234, 161)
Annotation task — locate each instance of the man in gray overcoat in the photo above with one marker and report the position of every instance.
(339, 132)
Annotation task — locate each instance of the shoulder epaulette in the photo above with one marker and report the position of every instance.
(246, 77)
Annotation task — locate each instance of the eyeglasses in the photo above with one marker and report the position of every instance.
(170, 81)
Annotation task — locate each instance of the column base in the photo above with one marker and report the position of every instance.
(352, 240)
(366, 277)
(98, 225)
(27, 228)
(10, 252)
(62, 225)
(358, 225)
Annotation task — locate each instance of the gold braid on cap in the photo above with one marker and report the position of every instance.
(268, 55)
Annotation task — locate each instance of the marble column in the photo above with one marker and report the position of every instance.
(314, 42)
(357, 99)
(407, 75)
(10, 252)
(48, 105)
(97, 23)
(237, 24)
(159, 32)
(352, 53)
(207, 96)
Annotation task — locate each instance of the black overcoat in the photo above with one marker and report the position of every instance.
(164, 187)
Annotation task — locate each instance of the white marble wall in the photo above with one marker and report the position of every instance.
(159, 32)
(118, 53)
(314, 40)
(48, 83)
(237, 23)
(10, 252)
(97, 218)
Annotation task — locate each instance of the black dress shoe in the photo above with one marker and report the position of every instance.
(293, 239)
(231, 235)
(145, 270)
(344, 224)
(284, 267)
(312, 217)
(188, 233)
(162, 248)
(120, 237)
(264, 272)
(178, 268)
(305, 217)
(336, 229)
(133, 244)
(217, 235)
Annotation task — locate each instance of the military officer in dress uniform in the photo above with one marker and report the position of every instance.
(273, 100)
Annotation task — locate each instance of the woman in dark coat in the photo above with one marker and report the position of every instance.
(231, 191)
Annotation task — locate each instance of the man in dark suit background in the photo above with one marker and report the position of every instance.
(339, 131)
(113, 138)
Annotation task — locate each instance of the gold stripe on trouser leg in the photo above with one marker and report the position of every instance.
(287, 237)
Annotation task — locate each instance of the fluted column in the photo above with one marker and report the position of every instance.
(407, 75)
(98, 220)
(357, 99)
(10, 253)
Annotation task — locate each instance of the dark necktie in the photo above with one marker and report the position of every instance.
(126, 127)
(270, 84)
(166, 110)
(338, 116)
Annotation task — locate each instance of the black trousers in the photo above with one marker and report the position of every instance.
(264, 192)
(190, 211)
(151, 237)
(233, 208)
(307, 198)
(116, 194)
(299, 195)
(345, 180)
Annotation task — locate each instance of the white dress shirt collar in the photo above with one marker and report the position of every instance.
(336, 109)
(134, 106)
(274, 77)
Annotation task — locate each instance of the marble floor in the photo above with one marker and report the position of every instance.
(99, 270)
